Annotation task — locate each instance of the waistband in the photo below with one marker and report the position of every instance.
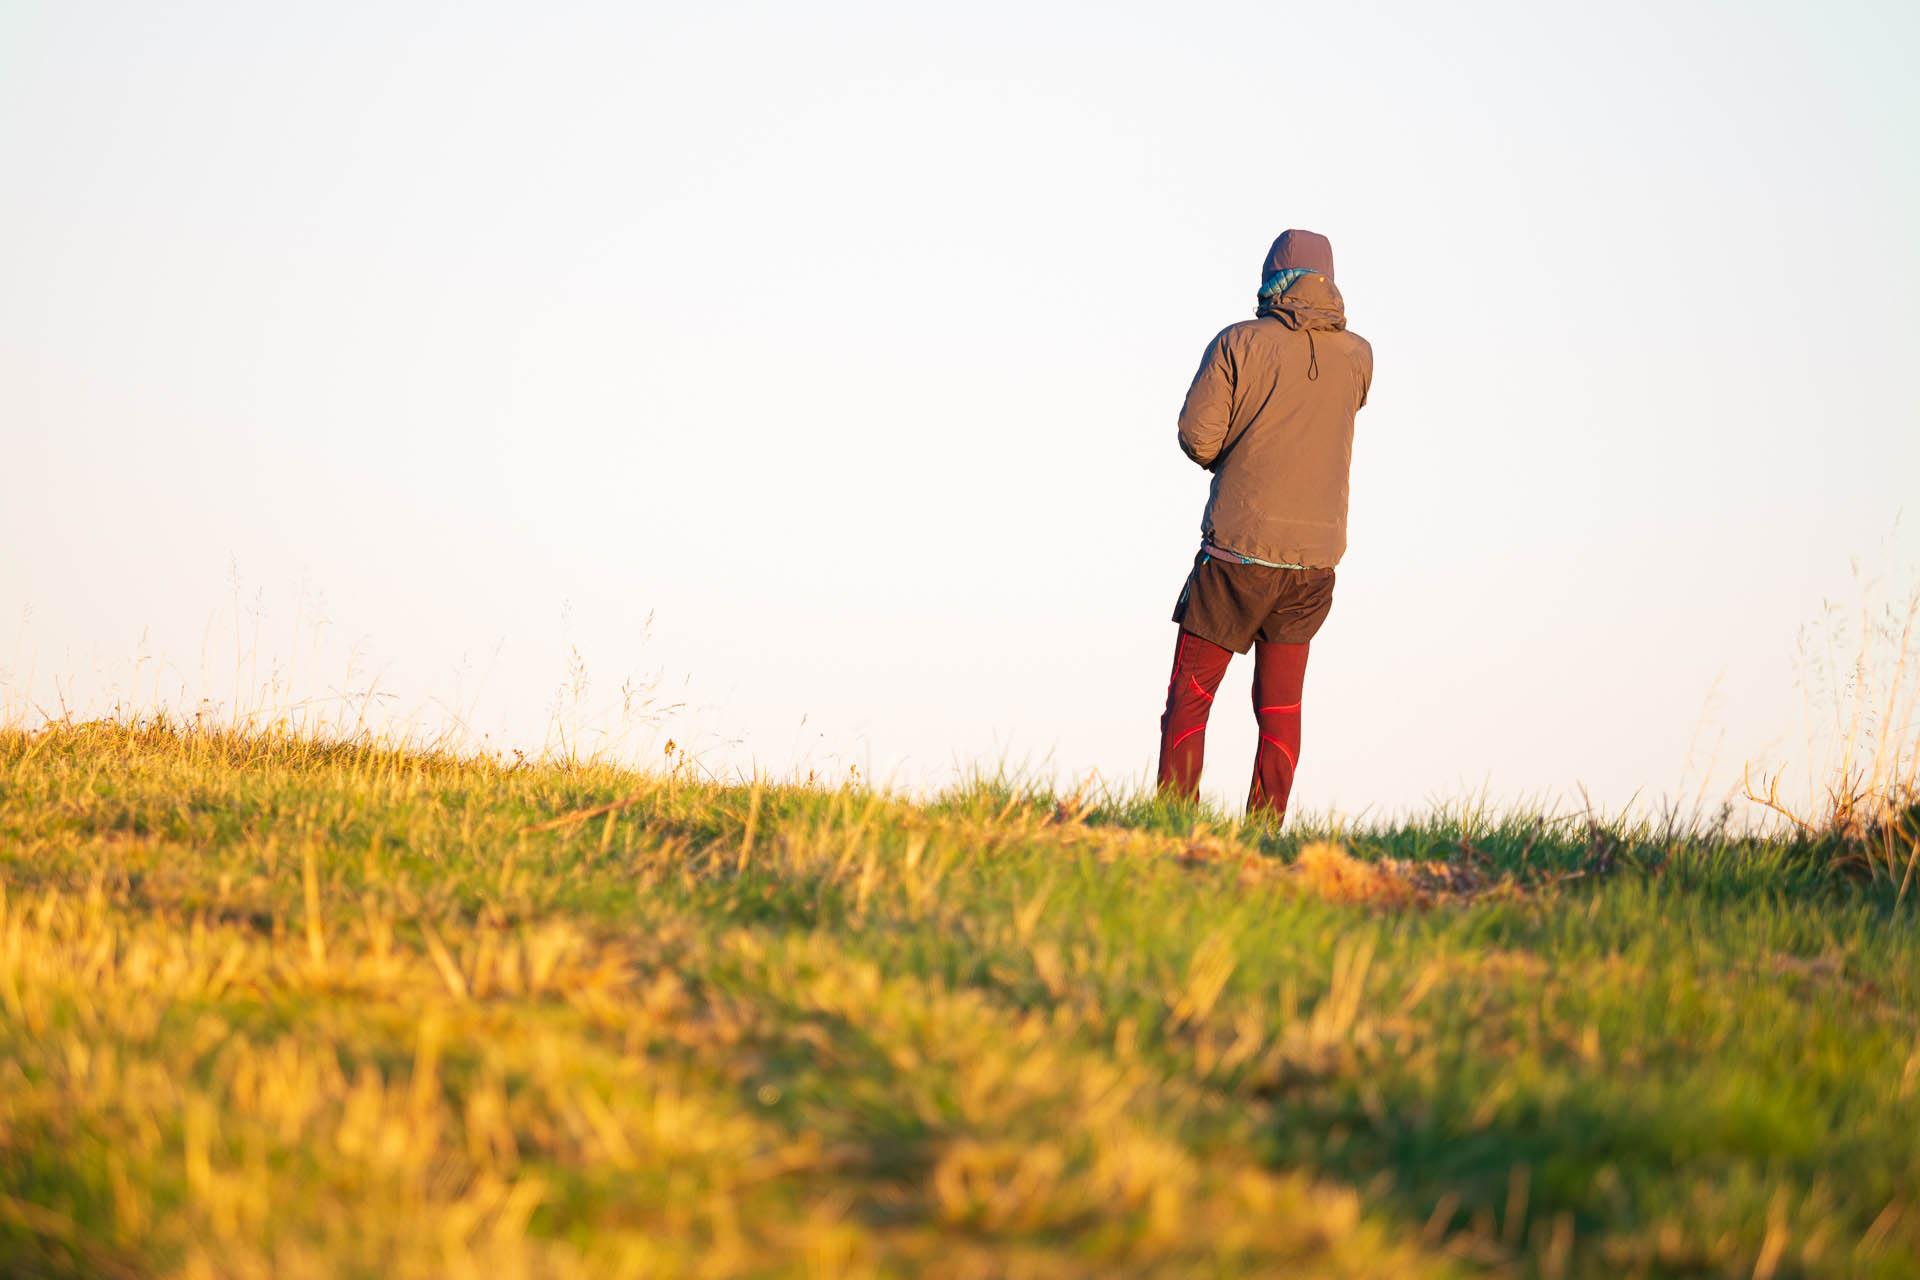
(1234, 557)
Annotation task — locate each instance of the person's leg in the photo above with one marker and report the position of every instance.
(1198, 666)
(1279, 674)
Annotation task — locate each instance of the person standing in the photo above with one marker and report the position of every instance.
(1270, 413)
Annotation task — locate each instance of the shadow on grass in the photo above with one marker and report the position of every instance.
(1657, 1184)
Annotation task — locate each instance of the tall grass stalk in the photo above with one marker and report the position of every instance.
(1862, 796)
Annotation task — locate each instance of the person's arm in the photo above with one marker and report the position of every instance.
(1208, 412)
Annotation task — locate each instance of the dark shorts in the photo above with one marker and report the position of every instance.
(1235, 604)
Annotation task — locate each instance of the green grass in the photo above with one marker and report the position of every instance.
(274, 1007)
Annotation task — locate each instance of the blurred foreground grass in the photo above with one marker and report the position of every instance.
(272, 1007)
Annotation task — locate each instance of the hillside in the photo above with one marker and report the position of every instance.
(277, 1007)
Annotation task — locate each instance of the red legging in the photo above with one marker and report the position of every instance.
(1279, 672)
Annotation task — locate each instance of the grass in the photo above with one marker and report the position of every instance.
(272, 1006)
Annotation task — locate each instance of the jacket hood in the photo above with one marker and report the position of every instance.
(1296, 248)
(1310, 302)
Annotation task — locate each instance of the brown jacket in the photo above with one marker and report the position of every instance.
(1271, 415)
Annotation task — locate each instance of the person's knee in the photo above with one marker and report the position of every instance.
(1200, 667)
(1277, 716)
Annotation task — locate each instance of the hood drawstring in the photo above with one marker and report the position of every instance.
(1313, 360)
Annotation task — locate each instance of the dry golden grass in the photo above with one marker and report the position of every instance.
(280, 1051)
(1863, 788)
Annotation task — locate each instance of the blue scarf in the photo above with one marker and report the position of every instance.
(1282, 280)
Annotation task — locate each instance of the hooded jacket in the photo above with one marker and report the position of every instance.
(1270, 414)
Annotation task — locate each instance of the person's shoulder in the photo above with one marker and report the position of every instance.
(1361, 347)
(1237, 333)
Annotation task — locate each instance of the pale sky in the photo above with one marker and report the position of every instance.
(846, 340)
